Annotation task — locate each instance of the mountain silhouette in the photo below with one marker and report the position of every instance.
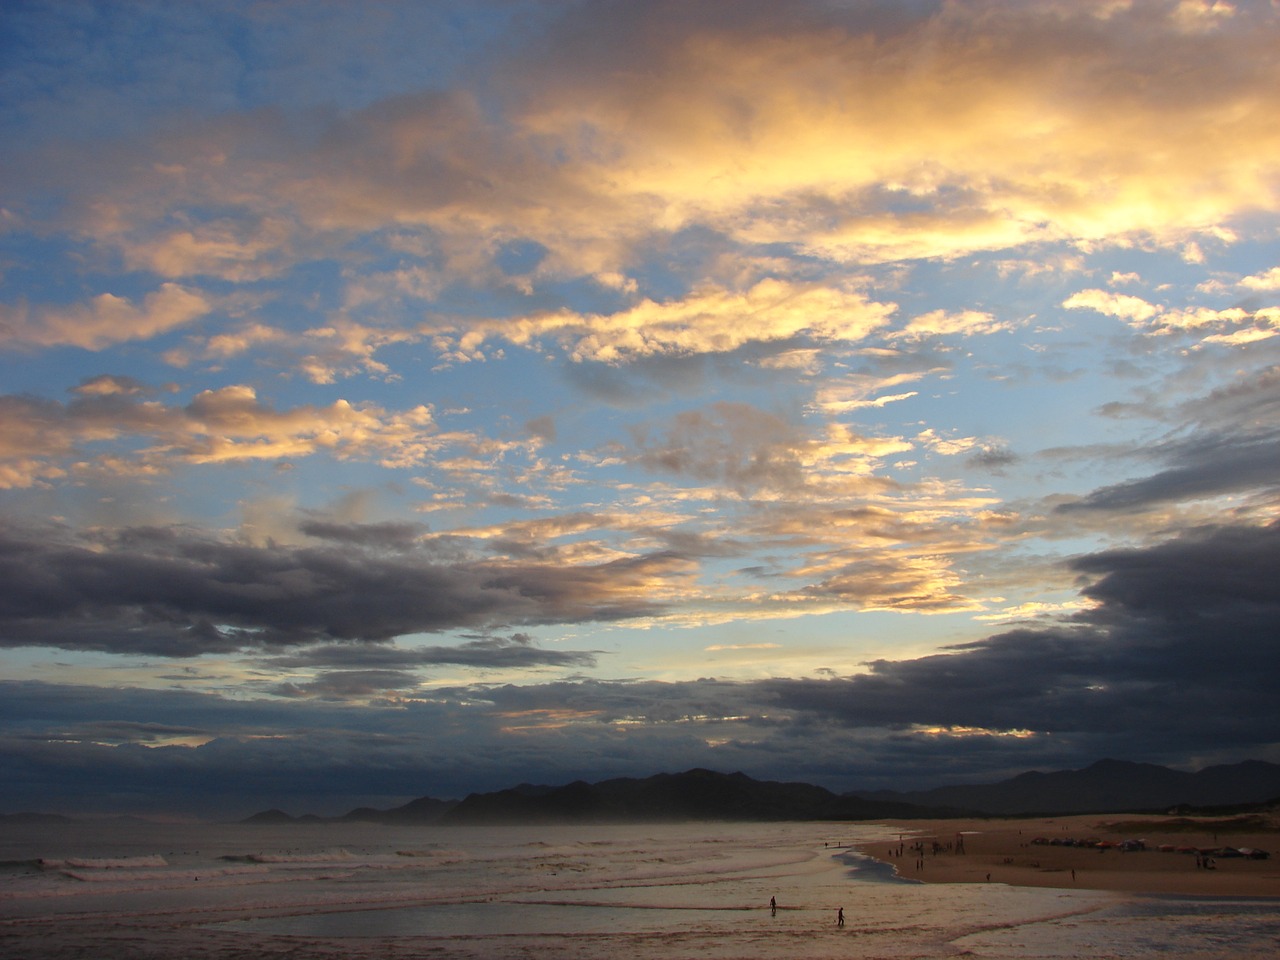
(1104, 787)
(1108, 786)
(421, 810)
(693, 795)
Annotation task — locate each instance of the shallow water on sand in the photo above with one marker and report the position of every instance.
(694, 890)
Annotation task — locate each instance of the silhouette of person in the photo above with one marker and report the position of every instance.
(773, 906)
(840, 917)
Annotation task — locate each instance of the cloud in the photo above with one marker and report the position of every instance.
(392, 534)
(837, 135)
(340, 349)
(240, 252)
(757, 452)
(939, 323)
(44, 439)
(109, 385)
(885, 579)
(827, 132)
(173, 592)
(1147, 317)
(1200, 468)
(994, 457)
(1174, 658)
(1267, 280)
(1227, 448)
(1179, 629)
(707, 321)
(229, 423)
(350, 684)
(667, 316)
(106, 320)
(515, 651)
(1120, 305)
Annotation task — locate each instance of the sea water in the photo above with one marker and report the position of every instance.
(692, 890)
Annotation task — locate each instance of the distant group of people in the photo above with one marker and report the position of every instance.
(918, 848)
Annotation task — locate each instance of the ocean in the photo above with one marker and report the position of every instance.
(363, 891)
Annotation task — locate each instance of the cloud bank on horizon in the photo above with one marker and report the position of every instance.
(421, 398)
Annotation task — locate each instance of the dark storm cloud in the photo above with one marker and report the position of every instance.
(1219, 586)
(1177, 659)
(174, 592)
(1208, 466)
(1232, 448)
(517, 650)
(399, 536)
(347, 684)
(1183, 642)
(995, 459)
(310, 752)
(222, 779)
(115, 732)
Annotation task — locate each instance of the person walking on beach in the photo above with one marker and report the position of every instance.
(840, 917)
(773, 906)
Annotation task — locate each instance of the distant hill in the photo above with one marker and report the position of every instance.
(1107, 786)
(269, 817)
(692, 795)
(30, 817)
(421, 811)
(273, 816)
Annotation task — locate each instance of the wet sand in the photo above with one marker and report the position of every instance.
(1008, 851)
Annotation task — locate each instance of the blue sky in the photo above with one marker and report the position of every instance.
(414, 399)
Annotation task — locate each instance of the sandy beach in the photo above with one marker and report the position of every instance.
(699, 891)
(1033, 853)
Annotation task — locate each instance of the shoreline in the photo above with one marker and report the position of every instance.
(1022, 852)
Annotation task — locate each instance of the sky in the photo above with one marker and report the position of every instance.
(404, 399)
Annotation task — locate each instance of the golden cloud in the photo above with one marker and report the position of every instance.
(712, 320)
(107, 319)
(225, 425)
(979, 127)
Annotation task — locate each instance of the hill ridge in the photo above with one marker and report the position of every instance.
(1105, 786)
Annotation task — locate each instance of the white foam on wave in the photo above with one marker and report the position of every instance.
(102, 863)
(328, 856)
(169, 877)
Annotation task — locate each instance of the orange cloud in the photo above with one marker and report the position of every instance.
(712, 320)
(43, 439)
(105, 320)
(979, 127)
